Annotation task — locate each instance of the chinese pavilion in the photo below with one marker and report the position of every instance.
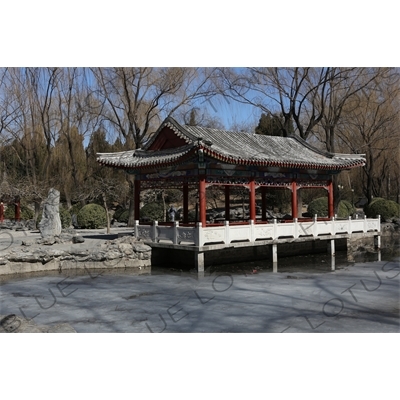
(196, 158)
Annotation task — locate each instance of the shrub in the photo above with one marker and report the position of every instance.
(119, 212)
(346, 209)
(92, 216)
(387, 209)
(366, 207)
(320, 207)
(75, 209)
(153, 211)
(65, 218)
(123, 217)
(25, 214)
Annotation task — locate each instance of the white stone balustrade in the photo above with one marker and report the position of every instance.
(251, 232)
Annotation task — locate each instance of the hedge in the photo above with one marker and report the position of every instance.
(92, 216)
(319, 206)
(387, 209)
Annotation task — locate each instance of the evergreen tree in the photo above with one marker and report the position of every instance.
(273, 125)
(192, 118)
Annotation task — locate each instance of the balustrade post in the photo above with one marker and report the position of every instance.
(274, 258)
(227, 236)
(136, 229)
(154, 231)
(175, 233)
(315, 227)
(296, 228)
(350, 226)
(199, 235)
(275, 229)
(333, 226)
(252, 234)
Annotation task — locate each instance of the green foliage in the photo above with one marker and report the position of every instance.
(65, 218)
(320, 207)
(280, 199)
(272, 125)
(75, 209)
(92, 216)
(346, 209)
(25, 214)
(387, 209)
(152, 211)
(367, 206)
(124, 216)
(118, 213)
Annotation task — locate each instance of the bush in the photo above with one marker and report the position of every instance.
(346, 209)
(25, 214)
(65, 218)
(320, 207)
(387, 209)
(75, 209)
(152, 211)
(119, 212)
(366, 207)
(92, 216)
(123, 217)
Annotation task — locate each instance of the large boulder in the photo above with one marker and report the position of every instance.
(50, 225)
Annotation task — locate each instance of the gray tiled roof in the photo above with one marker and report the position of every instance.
(234, 148)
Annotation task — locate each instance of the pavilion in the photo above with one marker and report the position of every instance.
(192, 157)
(197, 158)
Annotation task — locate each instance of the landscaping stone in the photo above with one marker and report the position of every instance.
(50, 225)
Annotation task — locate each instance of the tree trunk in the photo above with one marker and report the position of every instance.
(107, 213)
(131, 219)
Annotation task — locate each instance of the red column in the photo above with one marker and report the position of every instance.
(1, 212)
(227, 203)
(294, 199)
(202, 200)
(263, 203)
(17, 209)
(252, 199)
(330, 200)
(185, 202)
(137, 199)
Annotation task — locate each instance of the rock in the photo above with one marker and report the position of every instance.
(141, 248)
(48, 240)
(50, 225)
(78, 239)
(14, 324)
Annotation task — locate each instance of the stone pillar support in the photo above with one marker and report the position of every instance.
(199, 260)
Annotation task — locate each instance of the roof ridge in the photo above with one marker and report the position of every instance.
(179, 130)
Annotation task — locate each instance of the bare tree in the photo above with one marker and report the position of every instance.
(371, 125)
(136, 99)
